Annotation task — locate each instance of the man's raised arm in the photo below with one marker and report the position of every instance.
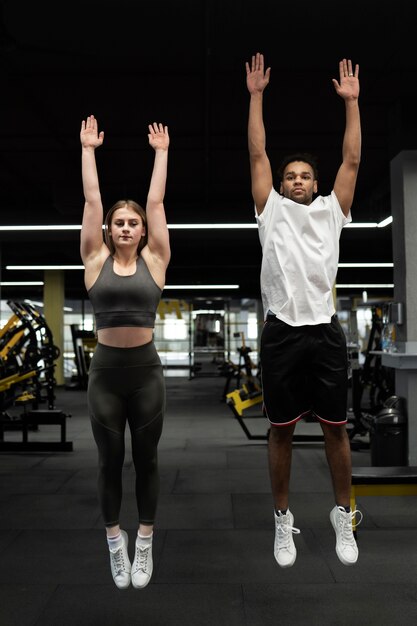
(348, 89)
(261, 175)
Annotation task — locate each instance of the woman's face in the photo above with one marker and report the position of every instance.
(126, 228)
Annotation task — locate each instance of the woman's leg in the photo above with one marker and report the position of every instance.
(111, 452)
(146, 411)
(108, 420)
(145, 457)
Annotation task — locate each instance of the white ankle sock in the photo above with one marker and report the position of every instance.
(145, 538)
(116, 541)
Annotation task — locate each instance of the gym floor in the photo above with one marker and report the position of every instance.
(213, 544)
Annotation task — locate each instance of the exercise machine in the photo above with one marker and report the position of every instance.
(27, 364)
(84, 343)
(371, 383)
(241, 400)
(242, 371)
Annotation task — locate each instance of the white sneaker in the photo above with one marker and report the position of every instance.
(120, 564)
(142, 566)
(284, 548)
(346, 548)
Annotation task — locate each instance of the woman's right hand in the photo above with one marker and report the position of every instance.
(89, 135)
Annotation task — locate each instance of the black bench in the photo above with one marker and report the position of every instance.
(34, 418)
(382, 481)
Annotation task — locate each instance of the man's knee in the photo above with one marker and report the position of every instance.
(282, 434)
(334, 432)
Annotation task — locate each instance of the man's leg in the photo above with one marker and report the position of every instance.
(280, 453)
(338, 454)
(282, 358)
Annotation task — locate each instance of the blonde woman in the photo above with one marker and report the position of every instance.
(124, 278)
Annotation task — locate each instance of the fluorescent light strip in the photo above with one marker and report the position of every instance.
(33, 302)
(27, 267)
(81, 267)
(23, 283)
(361, 225)
(41, 305)
(201, 287)
(219, 226)
(42, 227)
(44, 267)
(366, 265)
(170, 226)
(382, 224)
(385, 222)
(206, 226)
(365, 285)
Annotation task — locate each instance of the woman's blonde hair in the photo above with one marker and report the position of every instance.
(121, 204)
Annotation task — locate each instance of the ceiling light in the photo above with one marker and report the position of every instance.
(220, 226)
(361, 225)
(196, 312)
(41, 305)
(385, 222)
(185, 226)
(42, 227)
(81, 267)
(23, 283)
(201, 287)
(365, 286)
(366, 265)
(207, 226)
(44, 267)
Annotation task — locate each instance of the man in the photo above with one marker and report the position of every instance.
(303, 348)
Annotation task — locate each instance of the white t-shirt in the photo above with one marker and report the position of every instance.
(300, 254)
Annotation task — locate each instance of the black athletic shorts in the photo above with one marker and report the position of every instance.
(304, 371)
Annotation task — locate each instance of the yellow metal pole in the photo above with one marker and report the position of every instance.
(53, 302)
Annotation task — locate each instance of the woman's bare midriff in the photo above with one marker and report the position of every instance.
(124, 337)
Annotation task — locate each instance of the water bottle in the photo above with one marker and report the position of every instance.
(387, 338)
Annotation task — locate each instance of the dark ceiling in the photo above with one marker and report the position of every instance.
(183, 63)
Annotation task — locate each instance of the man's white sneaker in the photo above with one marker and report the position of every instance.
(284, 548)
(346, 548)
(120, 564)
(142, 566)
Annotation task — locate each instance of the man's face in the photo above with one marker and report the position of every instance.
(298, 182)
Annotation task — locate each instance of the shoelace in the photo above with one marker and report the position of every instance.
(142, 552)
(118, 560)
(285, 530)
(345, 523)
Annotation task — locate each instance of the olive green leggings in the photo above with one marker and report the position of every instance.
(127, 385)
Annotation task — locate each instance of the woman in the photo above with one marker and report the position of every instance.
(124, 277)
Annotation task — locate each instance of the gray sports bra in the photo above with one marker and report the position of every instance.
(124, 300)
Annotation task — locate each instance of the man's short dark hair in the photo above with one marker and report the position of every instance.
(306, 157)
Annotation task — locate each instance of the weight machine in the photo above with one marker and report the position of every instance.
(242, 371)
(371, 380)
(27, 355)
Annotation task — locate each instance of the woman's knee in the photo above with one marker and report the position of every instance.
(110, 465)
(145, 461)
